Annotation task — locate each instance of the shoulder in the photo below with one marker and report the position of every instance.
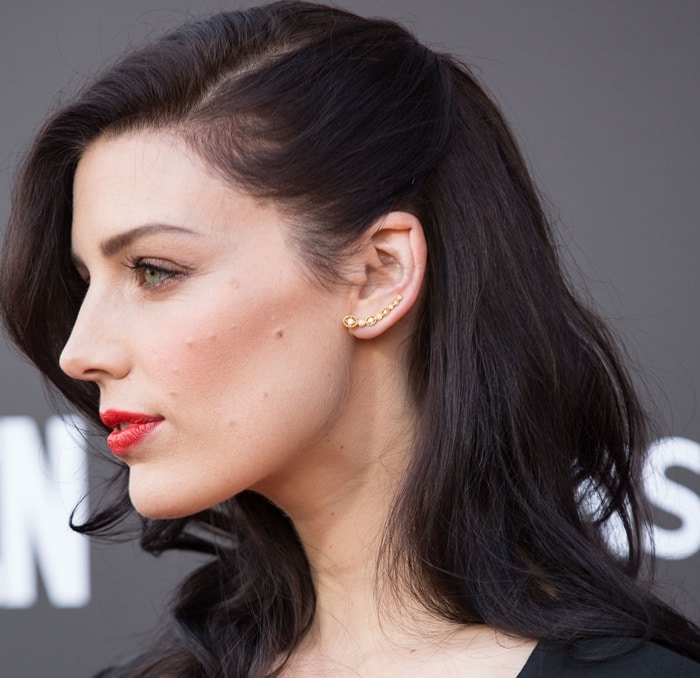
(632, 657)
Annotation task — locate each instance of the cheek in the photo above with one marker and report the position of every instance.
(179, 351)
(259, 355)
(251, 358)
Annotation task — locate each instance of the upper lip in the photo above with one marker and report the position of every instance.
(113, 418)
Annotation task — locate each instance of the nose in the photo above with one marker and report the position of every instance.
(95, 350)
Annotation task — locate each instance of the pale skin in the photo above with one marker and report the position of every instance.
(201, 310)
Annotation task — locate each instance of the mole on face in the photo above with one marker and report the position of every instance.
(279, 332)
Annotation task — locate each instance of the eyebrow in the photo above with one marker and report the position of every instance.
(116, 243)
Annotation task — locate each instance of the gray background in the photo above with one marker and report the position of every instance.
(604, 98)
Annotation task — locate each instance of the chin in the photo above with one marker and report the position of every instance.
(158, 511)
(163, 504)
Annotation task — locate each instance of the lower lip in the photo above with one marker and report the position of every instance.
(121, 442)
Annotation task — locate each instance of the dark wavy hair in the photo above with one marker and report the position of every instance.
(525, 406)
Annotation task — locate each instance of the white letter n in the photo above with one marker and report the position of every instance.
(37, 493)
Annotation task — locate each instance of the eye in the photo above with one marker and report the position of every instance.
(150, 275)
(154, 276)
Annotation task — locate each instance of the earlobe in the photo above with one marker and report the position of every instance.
(392, 266)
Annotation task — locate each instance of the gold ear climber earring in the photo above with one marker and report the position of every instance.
(350, 321)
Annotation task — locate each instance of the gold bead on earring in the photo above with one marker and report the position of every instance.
(350, 321)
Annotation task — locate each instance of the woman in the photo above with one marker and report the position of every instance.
(292, 262)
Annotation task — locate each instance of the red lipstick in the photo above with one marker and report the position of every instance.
(130, 428)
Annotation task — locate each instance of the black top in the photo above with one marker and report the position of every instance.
(635, 660)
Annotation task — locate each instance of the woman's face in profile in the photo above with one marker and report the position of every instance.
(215, 352)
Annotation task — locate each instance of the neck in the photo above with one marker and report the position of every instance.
(342, 535)
(341, 493)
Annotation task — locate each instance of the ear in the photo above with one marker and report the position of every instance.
(388, 273)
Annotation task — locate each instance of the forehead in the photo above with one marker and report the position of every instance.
(137, 178)
(145, 170)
